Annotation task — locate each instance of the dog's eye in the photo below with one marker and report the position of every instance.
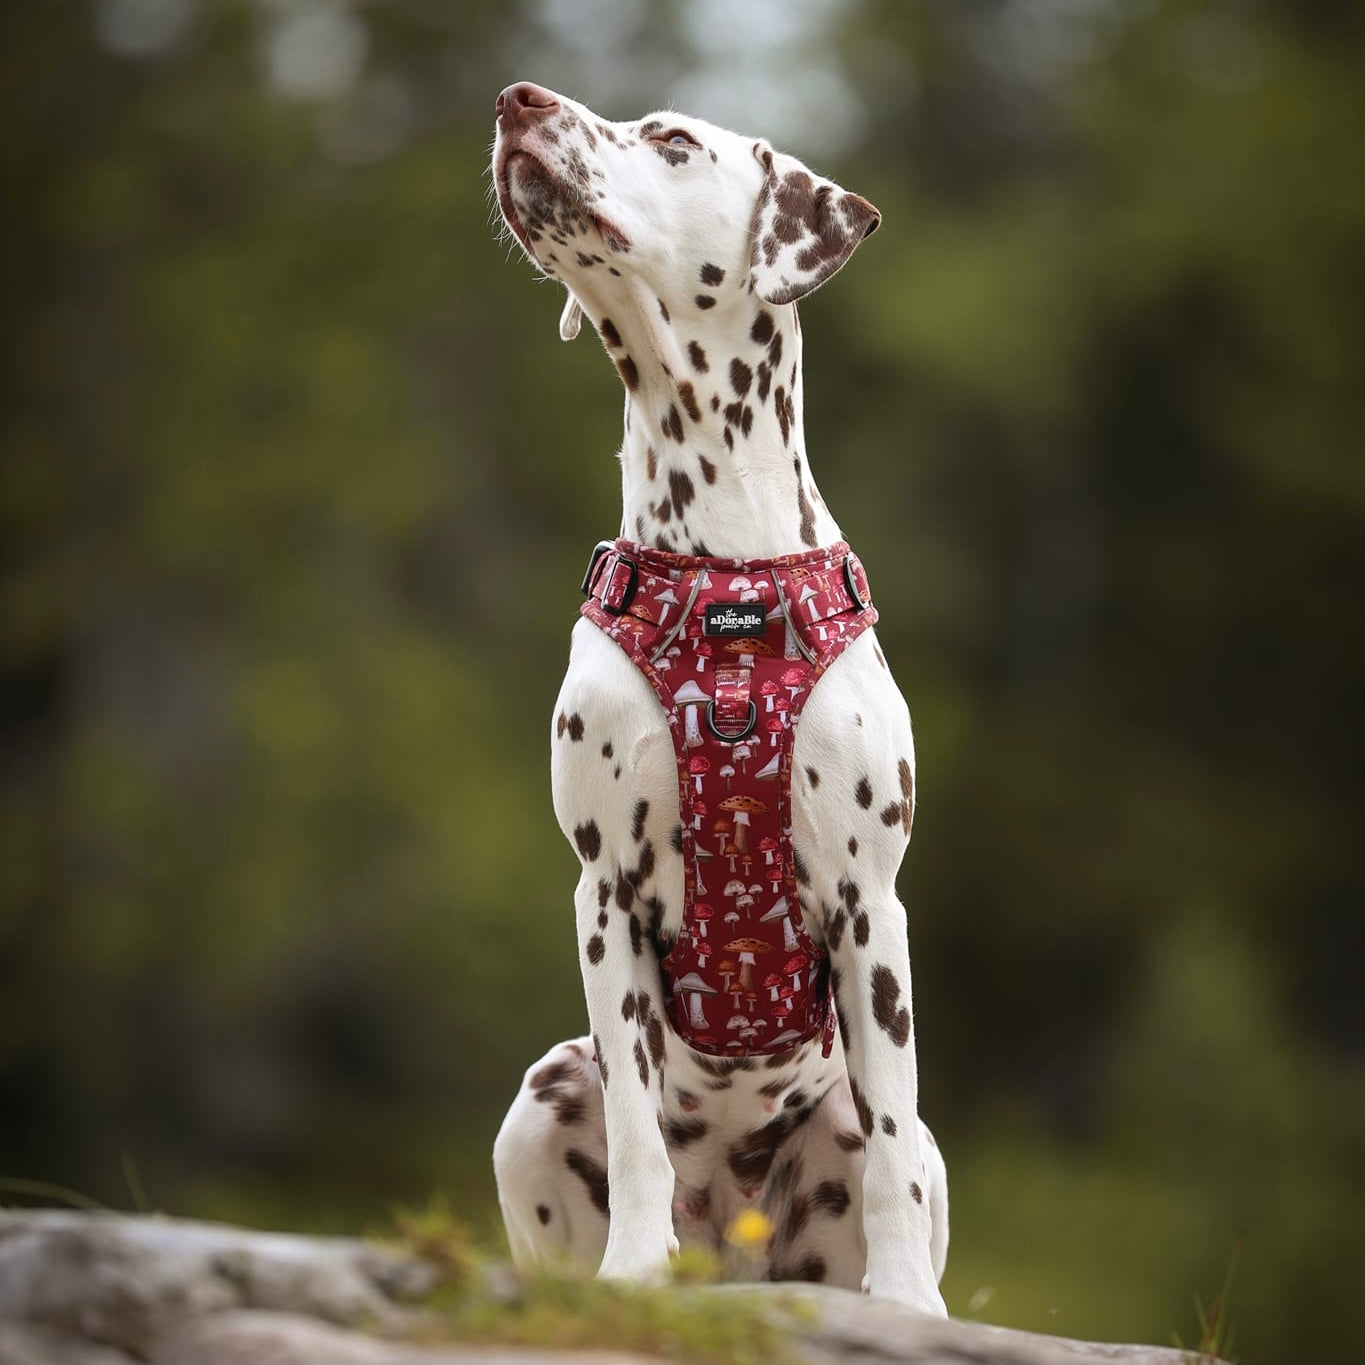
(678, 138)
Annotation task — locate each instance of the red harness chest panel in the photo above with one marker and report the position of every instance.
(732, 649)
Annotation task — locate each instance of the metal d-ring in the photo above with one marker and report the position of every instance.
(720, 734)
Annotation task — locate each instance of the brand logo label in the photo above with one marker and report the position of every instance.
(734, 618)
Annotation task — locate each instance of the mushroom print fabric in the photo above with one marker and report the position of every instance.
(732, 649)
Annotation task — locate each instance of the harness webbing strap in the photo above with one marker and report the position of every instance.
(732, 649)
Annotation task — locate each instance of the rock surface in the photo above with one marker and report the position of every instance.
(91, 1289)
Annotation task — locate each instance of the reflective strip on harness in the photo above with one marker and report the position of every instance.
(732, 649)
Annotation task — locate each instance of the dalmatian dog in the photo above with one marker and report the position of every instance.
(688, 247)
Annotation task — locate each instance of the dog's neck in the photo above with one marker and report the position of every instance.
(714, 459)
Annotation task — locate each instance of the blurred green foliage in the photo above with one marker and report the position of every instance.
(298, 483)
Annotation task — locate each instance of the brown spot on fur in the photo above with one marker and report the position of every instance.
(641, 1064)
(689, 400)
(863, 793)
(684, 1132)
(712, 275)
(891, 1016)
(629, 372)
(835, 925)
(682, 488)
(708, 470)
(864, 1109)
(592, 1175)
(698, 357)
(832, 1196)
(705, 301)
(543, 1213)
(651, 463)
(588, 838)
(597, 949)
(762, 330)
(888, 1125)
(637, 820)
(663, 310)
(916, 1193)
(672, 423)
(609, 333)
(741, 376)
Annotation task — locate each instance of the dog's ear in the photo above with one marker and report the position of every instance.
(804, 228)
(571, 319)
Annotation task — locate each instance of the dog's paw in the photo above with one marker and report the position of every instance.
(922, 1297)
(645, 1260)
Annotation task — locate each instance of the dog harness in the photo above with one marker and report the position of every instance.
(733, 649)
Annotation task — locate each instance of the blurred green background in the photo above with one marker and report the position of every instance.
(299, 481)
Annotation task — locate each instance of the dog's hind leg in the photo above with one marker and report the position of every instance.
(550, 1160)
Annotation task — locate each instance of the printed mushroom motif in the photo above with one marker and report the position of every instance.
(727, 970)
(630, 625)
(702, 855)
(701, 914)
(721, 829)
(700, 810)
(734, 887)
(748, 648)
(688, 697)
(746, 948)
(767, 846)
(745, 899)
(695, 988)
(739, 583)
(665, 599)
(768, 689)
(698, 765)
(703, 652)
(742, 807)
(736, 1021)
(732, 852)
(742, 752)
(772, 982)
(775, 728)
(727, 771)
(769, 771)
(752, 998)
(781, 911)
(808, 592)
(796, 964)
(793, 680)
(775, 878)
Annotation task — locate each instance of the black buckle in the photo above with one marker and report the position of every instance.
(851, 583)
(606, 547)
(720, 734)
(601, 548)
(628, 596)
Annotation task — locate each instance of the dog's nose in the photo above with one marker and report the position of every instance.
(524, 100)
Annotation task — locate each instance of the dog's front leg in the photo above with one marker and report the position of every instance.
(869, 952)
(615, 793)
(625, 1010)
(854, 793)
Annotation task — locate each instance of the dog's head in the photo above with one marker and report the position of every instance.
(676, 205)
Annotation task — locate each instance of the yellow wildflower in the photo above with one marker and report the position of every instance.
(750, 1231)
